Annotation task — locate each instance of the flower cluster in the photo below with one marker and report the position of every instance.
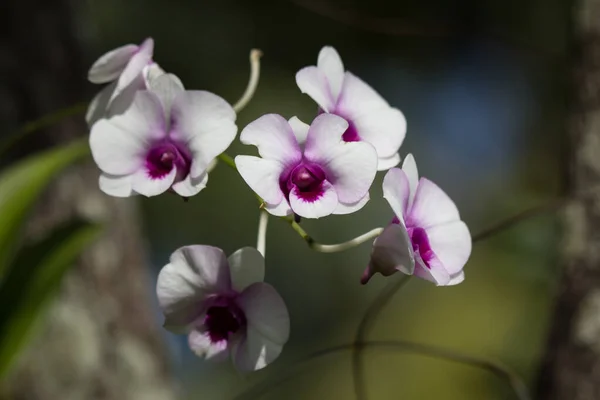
(149, 135)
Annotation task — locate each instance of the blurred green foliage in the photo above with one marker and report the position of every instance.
(30, 273)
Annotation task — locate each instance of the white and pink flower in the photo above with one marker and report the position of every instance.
(427, 236)
(309, 171)
(128, 69)
(223, 305)
(166, 139)
(370, 118)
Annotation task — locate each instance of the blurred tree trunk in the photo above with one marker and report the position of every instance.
(571, 368)
(99, 339)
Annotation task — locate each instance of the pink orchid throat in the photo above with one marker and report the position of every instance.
(223, 319)
(351, 133)
(305, 179)
(166, 154)
(420, 243)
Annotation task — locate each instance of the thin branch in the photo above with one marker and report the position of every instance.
(333, 248)
(358, 365)
(496, 368)
(255, 55)
(261, 241)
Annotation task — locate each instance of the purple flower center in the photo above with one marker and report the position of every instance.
(164, 156)
(307, 179)
(223, 321)
(351, 134)
(420, 244)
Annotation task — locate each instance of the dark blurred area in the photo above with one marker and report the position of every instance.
(483, 87)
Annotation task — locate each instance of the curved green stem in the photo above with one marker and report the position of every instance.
(514, 381)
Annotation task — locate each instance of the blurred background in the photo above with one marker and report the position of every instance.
(483, 87)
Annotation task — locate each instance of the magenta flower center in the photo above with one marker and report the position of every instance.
(351, 134)
(166, 155)
(305, 179)
(420, 244)
(223, 321)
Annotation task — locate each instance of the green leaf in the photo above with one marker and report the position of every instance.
(21, 185)
(31, 282)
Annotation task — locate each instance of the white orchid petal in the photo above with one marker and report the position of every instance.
(262, 175)
(274, 138)
(392, 252)
(431, 206)
(268, 327)
(110, 65)
(115, 185)
(311, 205)
(193, 273)
(143, 183)
(205, 123)
(189, 186)
(247, 266)
(119, 144)
(396, 191)
(330, 63)
(350, 208)
(313, 82)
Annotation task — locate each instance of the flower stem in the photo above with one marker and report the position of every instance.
(358, 365)
(227, 160)
(333, 248)
(255, 55)
(261, 241)
(514, 381)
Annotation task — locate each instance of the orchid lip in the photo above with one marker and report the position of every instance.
(165, 155)
(223, 318)
(305, 179)
(420, 244)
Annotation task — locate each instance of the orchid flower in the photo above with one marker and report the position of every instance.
(165, 140)
(223, 305)
(370, 118)
(309, 171)
(127, 69)
(427, 236)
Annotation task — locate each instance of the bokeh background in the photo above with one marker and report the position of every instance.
(482, 85)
